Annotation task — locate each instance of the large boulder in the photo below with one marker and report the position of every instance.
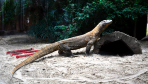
(118, 43)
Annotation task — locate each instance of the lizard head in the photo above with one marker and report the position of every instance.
(104, 24)
(101, 27)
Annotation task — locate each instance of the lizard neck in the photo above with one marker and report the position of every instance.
(96, 31)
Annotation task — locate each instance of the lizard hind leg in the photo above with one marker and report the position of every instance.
(65, 49)
(60, 52)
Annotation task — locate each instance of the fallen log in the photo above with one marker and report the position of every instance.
(119, 43)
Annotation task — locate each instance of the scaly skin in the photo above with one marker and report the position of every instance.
(65, 46)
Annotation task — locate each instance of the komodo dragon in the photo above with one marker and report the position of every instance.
(65, 46)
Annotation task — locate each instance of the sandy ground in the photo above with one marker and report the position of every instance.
(56, 69)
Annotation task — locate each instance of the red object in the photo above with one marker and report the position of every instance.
(23, 55)
(23, 52)
(16, 51)
(15, 54)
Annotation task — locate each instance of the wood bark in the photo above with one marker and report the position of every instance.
(120, 42)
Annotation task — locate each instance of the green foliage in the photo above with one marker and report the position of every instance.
(121, 11)
(86, 14)
(11, 8)
(8, 9)
(56, 28)
(63, 19)
(27, 3)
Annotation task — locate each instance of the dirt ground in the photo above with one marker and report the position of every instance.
(56, 69)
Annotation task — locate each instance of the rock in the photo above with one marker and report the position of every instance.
(118, 43)
(145, 38)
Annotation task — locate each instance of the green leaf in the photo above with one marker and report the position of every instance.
(87, 15)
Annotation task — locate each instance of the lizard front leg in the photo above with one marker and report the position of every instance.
(89, 44)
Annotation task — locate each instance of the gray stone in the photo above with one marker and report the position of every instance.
(118, 43)
(145, 38)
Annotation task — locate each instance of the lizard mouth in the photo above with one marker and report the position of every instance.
(108, 21)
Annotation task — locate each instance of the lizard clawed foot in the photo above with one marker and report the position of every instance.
(69, 55)
(72, 55)
(87, 54)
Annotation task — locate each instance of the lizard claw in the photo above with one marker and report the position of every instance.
(87, 54)
(72, 55)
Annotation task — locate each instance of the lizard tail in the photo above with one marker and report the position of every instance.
(42, 52)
